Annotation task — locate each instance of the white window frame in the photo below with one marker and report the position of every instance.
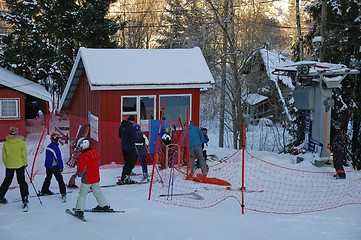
(177, 95)
(137, 112)
(17, 116)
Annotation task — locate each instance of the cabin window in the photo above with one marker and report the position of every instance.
(176, 107)
(9, 108)
(142, 107)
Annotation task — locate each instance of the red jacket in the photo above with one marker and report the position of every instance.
(88, 162)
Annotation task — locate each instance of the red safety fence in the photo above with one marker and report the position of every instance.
(269, 188)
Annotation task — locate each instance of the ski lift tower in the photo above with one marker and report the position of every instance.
(314, 82)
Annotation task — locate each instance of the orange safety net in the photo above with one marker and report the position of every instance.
(268, 187)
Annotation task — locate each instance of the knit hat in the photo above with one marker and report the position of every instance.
(131, 118)
(14, 130)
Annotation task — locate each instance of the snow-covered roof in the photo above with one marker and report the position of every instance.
(11, 80)
(272, 60)
(123, 69)
(253, 99)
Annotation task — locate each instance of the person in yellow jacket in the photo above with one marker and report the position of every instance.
(15, 159)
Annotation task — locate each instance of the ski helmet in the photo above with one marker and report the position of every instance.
(54, 137)
(83, 143)
(204, 130)
(137, 127)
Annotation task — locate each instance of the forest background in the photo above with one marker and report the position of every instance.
(41, 38)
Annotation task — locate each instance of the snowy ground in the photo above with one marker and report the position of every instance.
(146, 219)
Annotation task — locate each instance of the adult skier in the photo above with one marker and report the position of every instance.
(196, 138)
(338, 147)
(127, 134)
(15, 160)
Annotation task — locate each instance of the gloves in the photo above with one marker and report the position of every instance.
(61, 170)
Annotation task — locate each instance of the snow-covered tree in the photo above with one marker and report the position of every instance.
(342, 44)
(46, 35)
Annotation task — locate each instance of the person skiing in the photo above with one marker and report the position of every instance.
(54, 166)
(14, 155)
(140, 142)
(196, 138)
(88, 170)
(127, 134)
(204, 146)
(166, 140)
(337, 147)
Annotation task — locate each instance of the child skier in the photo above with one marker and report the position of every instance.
(54, 166)
(140, 141)
(88, 170)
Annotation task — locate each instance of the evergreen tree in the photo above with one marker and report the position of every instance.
(342, 42)
(46, 35)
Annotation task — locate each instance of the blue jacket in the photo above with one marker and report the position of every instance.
(127, 134)
(196, 136)
(53, 156)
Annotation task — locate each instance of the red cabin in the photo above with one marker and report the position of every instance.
(107, 85)
(20, 99)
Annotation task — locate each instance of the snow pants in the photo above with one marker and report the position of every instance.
(84, 189)
(142, 157)
(49, 174)
(197, 151)
(338, 164)
(130, 158)
(9, 175)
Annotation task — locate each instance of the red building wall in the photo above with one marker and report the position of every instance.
(106, 105)
(19, 123)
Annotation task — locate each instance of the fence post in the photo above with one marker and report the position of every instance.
(156, 151)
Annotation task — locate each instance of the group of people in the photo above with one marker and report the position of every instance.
(134, 142)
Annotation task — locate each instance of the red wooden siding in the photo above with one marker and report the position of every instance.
(19, 123)
(106, 105)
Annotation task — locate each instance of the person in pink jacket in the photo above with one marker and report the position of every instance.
(88, 170)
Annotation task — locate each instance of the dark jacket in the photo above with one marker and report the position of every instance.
(53, 156)
(127, 134)
(140, 142)
(339, 142)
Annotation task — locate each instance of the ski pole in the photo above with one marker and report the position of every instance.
(156, 168)
(36, 192)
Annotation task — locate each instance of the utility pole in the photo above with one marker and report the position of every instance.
(300, 37)
(323, 29)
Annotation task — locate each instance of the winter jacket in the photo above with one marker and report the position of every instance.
(88, 166)
(339, 142)
(127, 134)
(53, 156)
(140, 141)
(14, 152)
(196, 136)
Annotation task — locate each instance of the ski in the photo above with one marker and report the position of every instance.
(73, 214)
(192, 194)
(114, 211)
(32, 196)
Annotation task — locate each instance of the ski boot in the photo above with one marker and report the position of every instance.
(79, 214)
(3, 201)
(63, 198)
